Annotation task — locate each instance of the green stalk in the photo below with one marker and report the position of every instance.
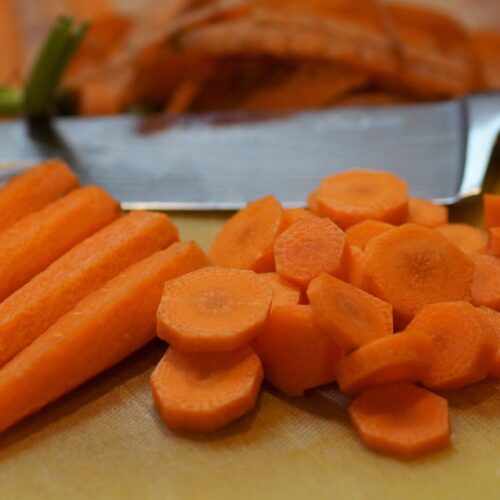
(11, 100)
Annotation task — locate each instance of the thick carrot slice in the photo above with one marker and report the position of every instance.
(29, 311)
(469, 239)
(494, 241)
(284, 292)
(361, 233)
(493, 317)
(213, 310)
(313, 203)
(37, 240)
(403, 357)
(33, 189)
(102, 329)
(426, 213)
(349, 315)
(296, 353)
(491, 205)
(412, 266)
(486, 284)
(401, 419)
(205, 392)
(293, 214)
(247, 240)
(357, 195)
(310, 246)
(358, 276)
(464, 344)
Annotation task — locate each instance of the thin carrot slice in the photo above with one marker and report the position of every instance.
(486, 284)
(205, 392)
(494, 241)
(296, 353)
(213, 310)
(284, 292)
(349, 315)
(426, 213)
(469, 239)
(401, 419)
(493, 317)
(464, 344)
(412, 266)
(247, 240)
(358, 195)
(358, 276)
(361, 233)
(313, 203)
(293, 214)
(491, 204)
(310, 246)
(29, 311)
(33, 189)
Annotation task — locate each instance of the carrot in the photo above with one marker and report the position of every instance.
(29, 311)
(469, 239)
(284, 292)
(361, 233)
(493, 317)
(412, 266)
(401, 419)
(37, 240)
(102, 329)
(11, 62)
(295, 352)
(349, 315)
(205, 392)
(357, 195)
(358, 276)
(247, 240)
(102, 96)
(313, 202)
(464, 344)
(402, 357)
(494, 241)
(491, 204)
(33, 189)
(425, 213)
(486, 283)
(213, 310)
(310, 246)
(293, 214)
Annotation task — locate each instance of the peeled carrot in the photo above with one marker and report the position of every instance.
(361, 233)
(310, 246)
(284, 292)
(214, 309)
(426, 213)
(247, 240)
(494, 241)
(292, 214)
(349, 315)
(313, 202)
(469, 239)
(486, 283)
(33, 189)
(11, 62)
(493, 317)
(464, 344)
(491, 204)
(358, 276)
(412, 266)
(29, 311)
(104, 95)
(401, 419)
(40, 238)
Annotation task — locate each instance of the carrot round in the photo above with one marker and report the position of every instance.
(426, 213)
(361, 233)
(401, 419)
(491, 204)
(486, 283)
(313, 202)
(469, 239)
(357, 195)
(493, 317)
(494, 241)
(215, 309)
(358, 276)
(246, 241)
(310, 246)
(205, 392)
(293, 214)
(284, 292)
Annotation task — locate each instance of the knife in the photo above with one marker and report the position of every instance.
(221, 161)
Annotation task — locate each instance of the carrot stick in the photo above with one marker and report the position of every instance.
(486, 283)
(358, 276)
(469, 239)
(29, 311)
(494, 241)
(425, 213)
(284, 292)
(292, 214)
(32, 244)
(361, 233)
(493, 317)
(401, 419)
(205, 392)
(33, 189)
(491, 204)
(213, 310)
(102, 329)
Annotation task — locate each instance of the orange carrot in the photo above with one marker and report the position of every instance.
(11, 61)
(284, 292)
(104, 95)
(29, 311)
(486, 283)
(494, 241)
(426, 213)
(349, 315)
(493, 317)
(310, 246)
(491, 204)
(358, 276)
(292, 214)
(313, 202)
(40, 238)
(361, 233)
(33, 189)
(215, 309)
(205, 392)
(469, 239)
(401, 419)
(247, 240)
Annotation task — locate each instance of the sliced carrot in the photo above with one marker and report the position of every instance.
(349, 315)
(284, 292)
(361, 233)
(486, 284)
(493, 317)
(11, 62)
(401, 419)
(494, 241)
(358, 195)
(358, 276)
(310, 246)
(33, 189)
(426, 213)
(464, 344)
(412, 266)
(104, 95)
(292, 214)
(313, 202)
(29, 311)
(491, 204)
(247, 240)
(469, 239)
(213, 310)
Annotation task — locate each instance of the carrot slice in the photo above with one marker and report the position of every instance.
(205, 392)
(361, 233)
(33, 189)
(412, 266)
(494, 241)
(464, 344)
(469, 239)
(403, 357)
(357, 195)
(313, 202)
(247, 240)
(491, 205)
(213, 310)
(401, 419)
(293, 214)
(426, 213)
(29, 311)
(486, 284)
(11, 62)
(358, 276)
(493, 317)
(296, 353)
(349, 315)
(284, 292)
(310, 246)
